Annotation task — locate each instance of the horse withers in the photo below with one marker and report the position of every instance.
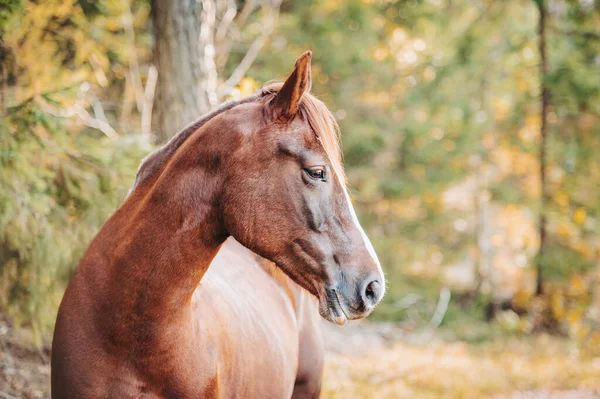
(145, 316)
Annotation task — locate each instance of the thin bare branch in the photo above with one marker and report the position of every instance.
(441, 308)
(126, 107)
(252, 53)
(79, 110)
(234, 33)
(149, 99)
(226, 34)
(134, 67)
(226, 21)
(208, 85)
(245, 14)
(98, 72)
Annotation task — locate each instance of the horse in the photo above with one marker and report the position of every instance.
(172, 298)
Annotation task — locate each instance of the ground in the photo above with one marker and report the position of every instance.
(24, 370)
(380, 360)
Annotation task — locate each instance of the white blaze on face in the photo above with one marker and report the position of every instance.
(365, 238)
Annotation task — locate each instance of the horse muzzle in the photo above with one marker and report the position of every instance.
(338, 307)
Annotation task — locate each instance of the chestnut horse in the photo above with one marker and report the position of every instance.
(145, 316)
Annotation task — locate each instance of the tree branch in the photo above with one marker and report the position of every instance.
(441, 308)
(79, 110)
(134, 67)
(226, 21)
(252, 53)
(208, 85)
(149, 99)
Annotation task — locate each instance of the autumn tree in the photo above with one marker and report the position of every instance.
(193, 42)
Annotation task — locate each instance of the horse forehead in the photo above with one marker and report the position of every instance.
(301, 131)
(247, 118)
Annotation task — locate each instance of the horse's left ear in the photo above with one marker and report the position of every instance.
(286, 103)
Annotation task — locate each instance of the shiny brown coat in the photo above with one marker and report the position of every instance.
(165, 305)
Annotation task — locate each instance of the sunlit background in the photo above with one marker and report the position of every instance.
(450, 110)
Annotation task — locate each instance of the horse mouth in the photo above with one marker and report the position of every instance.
(334, 306)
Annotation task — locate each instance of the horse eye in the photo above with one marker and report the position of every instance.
(316, 173)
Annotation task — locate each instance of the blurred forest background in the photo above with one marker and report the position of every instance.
(471, 133)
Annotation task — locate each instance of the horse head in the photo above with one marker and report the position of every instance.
(285, 198)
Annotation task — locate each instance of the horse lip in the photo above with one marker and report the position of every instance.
(342, 318)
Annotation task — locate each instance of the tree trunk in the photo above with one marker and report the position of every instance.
(543, 72)
(177, 57)
(189, 37)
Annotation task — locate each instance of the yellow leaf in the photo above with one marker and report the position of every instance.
(580, 216)
(577, 285)
(557, 304)
(247, 86)
(561, 199)
(502, 106)
(429, 198)
(574, 318)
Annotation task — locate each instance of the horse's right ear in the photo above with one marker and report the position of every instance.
(287, 102)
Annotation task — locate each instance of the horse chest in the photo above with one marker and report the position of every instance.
(238, 338)
(251, 339)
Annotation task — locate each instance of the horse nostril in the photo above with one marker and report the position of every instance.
(370, 290)
(371, 293)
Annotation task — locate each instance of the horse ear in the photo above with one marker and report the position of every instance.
(287, 101)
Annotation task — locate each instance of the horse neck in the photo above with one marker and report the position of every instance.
(161, 241)
(292, 290)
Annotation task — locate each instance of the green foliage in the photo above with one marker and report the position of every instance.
(59, 179)
(561, 262)
(433, 96)
(7, 10)
(58, 187)
(436, 100)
